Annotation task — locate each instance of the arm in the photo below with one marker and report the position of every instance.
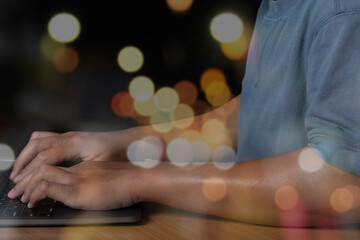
(247, 192)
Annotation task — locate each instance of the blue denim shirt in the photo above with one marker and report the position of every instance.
(302, 82)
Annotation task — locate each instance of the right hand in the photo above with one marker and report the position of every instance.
(53, 148)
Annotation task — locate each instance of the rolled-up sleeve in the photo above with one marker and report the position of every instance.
(333, 91)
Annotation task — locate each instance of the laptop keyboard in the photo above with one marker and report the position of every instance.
(13, 208)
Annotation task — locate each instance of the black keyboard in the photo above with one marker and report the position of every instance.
(13, 208)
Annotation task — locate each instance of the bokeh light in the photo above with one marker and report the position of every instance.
(187, 92)
(286, 197)
(235, 50)
(66, 59)
(64, 27)
(201, 152)
(162, 121)
(130, 59)
(213, 131)
(224, 157)
(179, 152)
(342, 200)
(217, 93)
(141, 88)
(7, 156)
(191, 135)
(226, 27)
(214, 189)
(122, 104)
(179, 6)
(48, 47)
(144, 153)
(145, 108)
(200, 107)
(210, 76)
(184, 116)
(309, 161)
(166, 99)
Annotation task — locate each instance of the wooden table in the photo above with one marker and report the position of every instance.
(160, 222)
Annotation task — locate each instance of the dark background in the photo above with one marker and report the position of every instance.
(34, 96)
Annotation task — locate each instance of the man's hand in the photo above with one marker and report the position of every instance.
(47, 148)
(88, 185)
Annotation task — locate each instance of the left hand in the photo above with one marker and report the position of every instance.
(88, 185)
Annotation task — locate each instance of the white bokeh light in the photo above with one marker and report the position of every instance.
(7, 156)
(224, 157)
(201, 152)
(179, 152)
(64, 27)
(309, 161)
(226, 27)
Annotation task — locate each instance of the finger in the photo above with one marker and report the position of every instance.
(34, 147)
(56, 191)
(49, 174)
(19, 188)
(42, 134)
(50, 156)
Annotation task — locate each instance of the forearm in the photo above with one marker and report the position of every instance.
(248, 191)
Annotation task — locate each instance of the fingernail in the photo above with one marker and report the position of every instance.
(17, 179)
(29, 205)
(10, 194)
(12, 175)
(23, 198)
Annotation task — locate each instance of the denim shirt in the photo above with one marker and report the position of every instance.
(302, 82)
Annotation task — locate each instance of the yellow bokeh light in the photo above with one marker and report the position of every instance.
(235, 50)
(286, 197)
(214, 189)
(191, 135)
(309, 161)
(187, 91)
(64, 27)
(342, 200)
(213, 131)
(130, 59)
(210, 76)
(201, 152)
(184, 116)
(145, 108)
(217, 93)
(66, 59)
(166, 99)
(141, 88)
(179, 6)
(226, 27)
(179, 152)
(162, 121)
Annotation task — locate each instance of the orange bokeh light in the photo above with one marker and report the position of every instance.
(187, 91)
(210, 76)
(122, 104)
(66, 59)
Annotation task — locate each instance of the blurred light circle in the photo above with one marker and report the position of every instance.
(66, 59)
(235, 50)
(166, 99)
(213, 131)
(64, 27)
(48, 47)
(145, 108)
(6, 152)
(226, 27)
(224, 157)
(342, 200)
(200, 107)
(217, 93)
(141, 88)
(214, 189)
(286, 197)
(210, 76)
(179, 6)
(187, 92)
(201, 151)
(183, 116)
(144, 154)
(191, 135)
(162, 121)
(179, 152)
(122, 104)
(130, 59)
(309, 161)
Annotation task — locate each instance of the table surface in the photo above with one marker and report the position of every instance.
(160, 222)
